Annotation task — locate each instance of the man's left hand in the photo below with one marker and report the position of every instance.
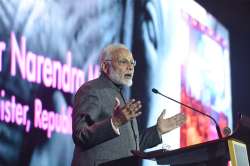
(168, 124)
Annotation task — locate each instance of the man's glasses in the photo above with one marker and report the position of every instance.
(124, 62)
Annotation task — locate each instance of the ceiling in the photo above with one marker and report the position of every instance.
(232, 13)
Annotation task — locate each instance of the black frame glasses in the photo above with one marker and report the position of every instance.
(124, 62)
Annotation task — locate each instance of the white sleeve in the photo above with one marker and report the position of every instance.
(116, 130)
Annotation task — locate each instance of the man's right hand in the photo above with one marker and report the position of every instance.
(123, 115)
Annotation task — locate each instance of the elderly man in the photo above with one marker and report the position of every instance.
(104, 123)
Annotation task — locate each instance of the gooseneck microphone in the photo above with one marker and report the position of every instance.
(210, 117)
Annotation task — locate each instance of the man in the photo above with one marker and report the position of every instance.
(104, 124)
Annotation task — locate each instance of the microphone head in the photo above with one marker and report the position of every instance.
(155, 90)
(227, 131)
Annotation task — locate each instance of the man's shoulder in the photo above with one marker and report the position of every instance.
(94, 85)
(91, 84)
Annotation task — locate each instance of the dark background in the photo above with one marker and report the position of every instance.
(235, 16)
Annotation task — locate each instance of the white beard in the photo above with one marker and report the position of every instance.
(117, 78)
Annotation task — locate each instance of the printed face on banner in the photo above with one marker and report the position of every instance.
(186, 57)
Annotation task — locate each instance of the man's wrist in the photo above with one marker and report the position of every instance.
(158, 129)
(116, 129)
(115, 122)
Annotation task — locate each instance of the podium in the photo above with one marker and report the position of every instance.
(211, 153)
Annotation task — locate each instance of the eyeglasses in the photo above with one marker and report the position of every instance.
(124, 62)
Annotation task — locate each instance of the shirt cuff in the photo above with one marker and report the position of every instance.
(116, 130)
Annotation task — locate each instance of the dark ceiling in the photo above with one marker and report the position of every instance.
(235, 16)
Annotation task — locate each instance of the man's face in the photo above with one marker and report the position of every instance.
(122, 67)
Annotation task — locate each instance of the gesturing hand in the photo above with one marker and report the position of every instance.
(166, 125)
(123, 115)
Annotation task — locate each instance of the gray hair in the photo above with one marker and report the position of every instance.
(108, 52)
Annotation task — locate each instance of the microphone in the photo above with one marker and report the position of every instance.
(210, 117)
(227, 131)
